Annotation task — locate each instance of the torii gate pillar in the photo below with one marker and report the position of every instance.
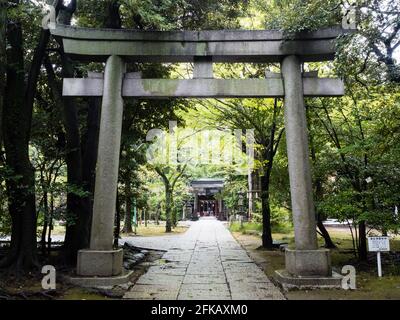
(306, 259)
(100, 259)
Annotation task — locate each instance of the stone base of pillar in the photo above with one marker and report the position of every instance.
(306, 263)
(291, 282)
(100, 263)
(308, 269)
(98, 282)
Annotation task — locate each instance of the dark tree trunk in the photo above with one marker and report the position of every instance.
(21, 185)
(34, 72)
(3, 62)
(325, 234)
(112, 19)
(267, 241)
(174, 217)
(76, 236)
(168, 207)
(78, 216)
(117, 226)
(362, 246)
(270, 147)
(46, 216)
(50, 222)
(90, 158)
(128, 207)
(157, 215)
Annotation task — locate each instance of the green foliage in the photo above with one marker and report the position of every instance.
(293, 16)
(246, 227)
(166, 14)
(356, 161)
(234, 185)
(255, 228)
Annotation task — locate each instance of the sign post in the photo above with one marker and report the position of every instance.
(378, 245)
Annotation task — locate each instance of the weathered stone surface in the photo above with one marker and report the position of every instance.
(184, 46)
(153, 292)
(203, 88)
(203, 67)
(255, 291)
(202, 265)
(289, 281)
(218, 278)
(99, 262)
(237, 277)
(308, 262)
(95, 282)
(298, 156)
(166, 279)
(102, 235)
(209, 291)
(204, 35)
(161, 270)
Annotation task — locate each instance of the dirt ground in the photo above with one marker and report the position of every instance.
(29, 286)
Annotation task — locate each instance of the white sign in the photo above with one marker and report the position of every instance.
(378, 244)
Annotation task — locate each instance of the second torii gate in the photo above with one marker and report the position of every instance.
(306, 265)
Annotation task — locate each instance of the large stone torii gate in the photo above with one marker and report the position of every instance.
(306, 265)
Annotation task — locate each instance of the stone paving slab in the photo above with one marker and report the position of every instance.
(204, 263)
(204, 278)
(153, 278)
(153, 292)
(237, 277)
(161, 270)
(205, 291)
(255, 291)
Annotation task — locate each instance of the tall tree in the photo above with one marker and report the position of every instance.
(20, 183)
(3, 61)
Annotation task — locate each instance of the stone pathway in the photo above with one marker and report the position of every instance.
(205, 263)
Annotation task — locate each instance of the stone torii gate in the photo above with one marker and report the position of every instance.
(306, 265)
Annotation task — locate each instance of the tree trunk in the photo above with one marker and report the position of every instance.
(74, 173)
(78, 218)
(3, 61)
(157, 215)
(173, 215)
(128, 207)
(46, 214)
(168, 207)
(21, 186)
(117, 227)
(267, 241)
(50, 222)
(78, 214)
(251, 194)
(90, 159)
(362, 242)
(325, 234)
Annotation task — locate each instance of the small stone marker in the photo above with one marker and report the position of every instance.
(378, 245)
